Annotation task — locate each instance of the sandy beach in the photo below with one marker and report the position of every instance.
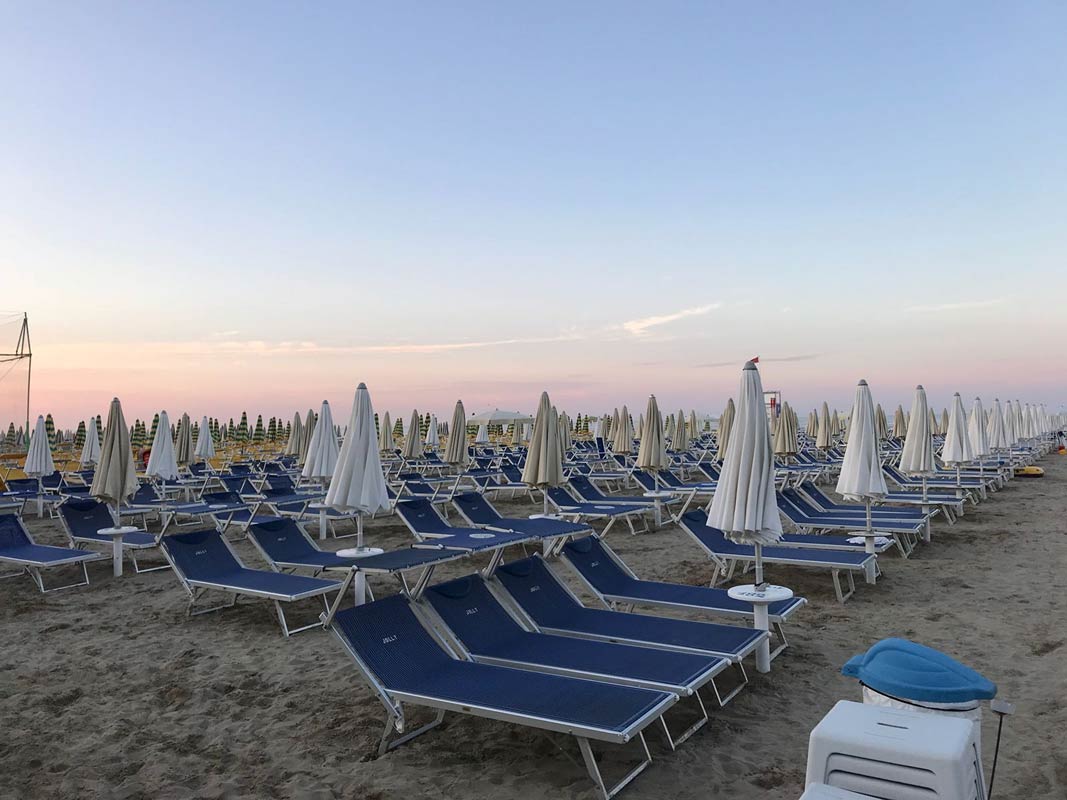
(112, 692)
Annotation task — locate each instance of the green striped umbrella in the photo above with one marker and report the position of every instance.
(100, 429)
(272, 430)
(398, 428)
(50, 429)
(260, 433)
(155, 426)
(241, 434)
(12, 437)
(79, 436)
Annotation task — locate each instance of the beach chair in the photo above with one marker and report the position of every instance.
(547, 605)
(428, 526)
(617, 587)
(286, 546)
(727, 555)
(481, 629)
(81, 518)
(18, 548)
(203, 561)
(404, 664)
(588, 493)
(807, 518)
(479, 512)
(567, 506)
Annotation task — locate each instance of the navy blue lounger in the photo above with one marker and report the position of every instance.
(430, 528)
(727, 555)
(485, 631)
(82, 517)
(404, 664)
(580, 510)
(203, 561)
(18, 547)
(478, 511)
(606, 576)
(551, 607)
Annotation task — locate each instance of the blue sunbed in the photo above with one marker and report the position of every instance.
(17, 547)
(83, 517)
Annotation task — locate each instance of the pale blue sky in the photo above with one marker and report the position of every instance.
(308, 194)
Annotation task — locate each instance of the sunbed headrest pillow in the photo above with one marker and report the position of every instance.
(458, 588)
(583, 545)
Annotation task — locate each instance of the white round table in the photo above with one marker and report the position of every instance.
(116, 535)
(870, 543)
(760, 598)
(658, 498)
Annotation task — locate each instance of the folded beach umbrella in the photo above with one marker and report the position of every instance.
(162, 462)
(935, 427)
(516, 433)
(483, 434)
(881, 424)
(306, 435)
(900, 425)
(322, 449)
(622, 443)
(563, 423)
(1028, 423)
(824, 439)
(995, 433)
(861, 475)
(11, 438)
(976, 430)
(259, 433)
(652, 454)
(680, 441)
(296, 431)
(726, 421)
(39, 461)
(184, 448)
(598, 428)
(243, 433)
(957, 448)
(412, 442)
(668, 427)
(358, 483)
(544, 458)
(386, 444)
(1013, 422)
(613, 422)
(785, 436)
(100, 429)
(50, 431)
(744, 506)
(640, 431)
(433, 438)
(91, 448)
(943, 423)
(115, 479)
(205, 445)
(917, 456)
(456, 448)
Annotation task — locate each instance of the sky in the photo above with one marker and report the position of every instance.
(210, 207)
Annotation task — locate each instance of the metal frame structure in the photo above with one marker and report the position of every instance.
(23, 351)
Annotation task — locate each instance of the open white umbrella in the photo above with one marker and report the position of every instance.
(358, 483)
(162, 463)
(726, 421)
(544, 459)
(386, 444)
(433, 438)
(322, 449)
(115, 480)
(39, 461)
(917, 456)
(296, 433)
(744, 507)
(412, 442)
(861, 475)
(205, 444)
(91, 449)
(957, 448)
(456, 449)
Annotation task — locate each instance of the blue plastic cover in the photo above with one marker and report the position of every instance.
(911, 671)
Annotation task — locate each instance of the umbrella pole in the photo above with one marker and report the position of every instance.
(868, 541)
(759, 566)
(40, 497)
(544, 495)
(924, 487)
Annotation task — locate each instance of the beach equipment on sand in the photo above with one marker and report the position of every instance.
(957, 448)
(162, 463)
(622, 442)
(544, 457)
(432, 440)
(115, 479)
(91, 448)
(917, 457)
(322, 449)
(205, 444)
(18, 548)
(412, 441)
(386, 444)
(296, 432)
(456, 450)
(39, 463)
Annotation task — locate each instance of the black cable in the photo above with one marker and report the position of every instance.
(996, 754)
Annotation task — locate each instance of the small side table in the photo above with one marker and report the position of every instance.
(760, 600)
(116, 535)
(658, 498)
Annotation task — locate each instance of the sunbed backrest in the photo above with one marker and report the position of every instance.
(222, 497)
(201, 555)
(392, 643)
(537, 591)
(12, 534)
(421, 516)
(476, 508)
(281, 539)
(470, 610)
(85, 516)
(590, 558)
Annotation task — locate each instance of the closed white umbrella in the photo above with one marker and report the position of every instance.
(307, 435)
(433, 438)
(483, 434)
(640, 427)
(744, 506)
(322, 449)
(976, 430)
(563, 424)
(412, 442)
(115, 479)
(296, 432)
(598, 428)
(622, 443)
(162, 462)
(995, 433)
(917, 457)
(544, 459)
(358, 483)
(680, 442)
(726, 421)
(957, 448)
(39, 461)
(613, 423)
(824, 439)
(785, 436)
(652, 454)
(516, 433)
(861, 475)
(91, 449)
(205, 444)
(456, 450)
(900, 425)
(881, 424)
(184, 448)
(1010, 432)
(386, 444)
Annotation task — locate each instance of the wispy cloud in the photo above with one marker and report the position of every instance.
(739, 362)
(961, 306)
(640, 327)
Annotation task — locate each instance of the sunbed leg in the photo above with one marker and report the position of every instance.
(137, 567)
(696, 726)
(733, 692)
(385, 745)
(837, 585)
(607, 527)
(594, 770)
(779, 633)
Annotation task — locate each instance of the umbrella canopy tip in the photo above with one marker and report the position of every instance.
(361, 386)
(750, 365)
(863, 382)
(919, 387)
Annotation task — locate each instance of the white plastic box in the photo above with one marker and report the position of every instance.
(895, 755)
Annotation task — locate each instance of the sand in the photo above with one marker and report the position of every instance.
(111, 691)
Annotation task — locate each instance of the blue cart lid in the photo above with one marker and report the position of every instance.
(911, 671)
